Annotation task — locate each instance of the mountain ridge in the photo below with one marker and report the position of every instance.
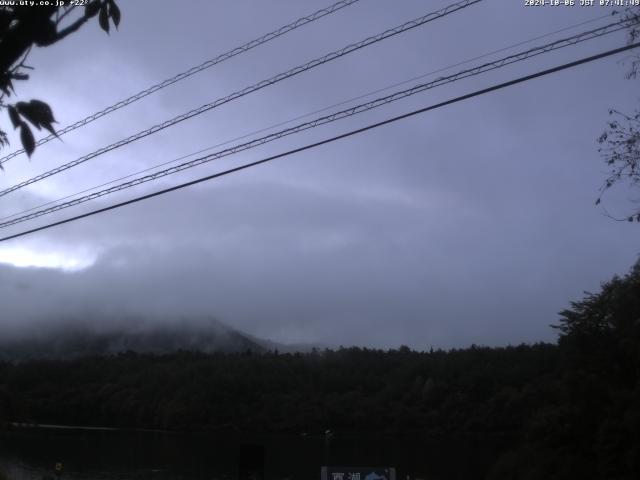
(71, 338)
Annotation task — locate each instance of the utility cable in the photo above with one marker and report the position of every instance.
(333, 139)
(581, 37)
(192, 71)
(258, 86)
(300, 117)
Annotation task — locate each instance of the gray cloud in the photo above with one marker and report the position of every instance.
(474, 223)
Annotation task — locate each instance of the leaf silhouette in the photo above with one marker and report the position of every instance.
(20, 76)
(114, 11)
(38, 113)
(25, 110)
(14, 116)
(28, 142)
(42, 111)
(103, 18)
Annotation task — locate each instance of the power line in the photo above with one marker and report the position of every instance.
(333, 139)
(258, 86)
(581, 37)
(308, 114)
(193, 70)
(300, 117)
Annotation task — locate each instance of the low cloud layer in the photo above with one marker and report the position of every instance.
(473, 223)
(308, 265)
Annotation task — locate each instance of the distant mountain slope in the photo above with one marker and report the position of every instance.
(73, 338)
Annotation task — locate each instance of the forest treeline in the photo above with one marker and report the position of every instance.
(569, 410)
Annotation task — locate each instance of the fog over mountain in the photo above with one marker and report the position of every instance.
(71, 338)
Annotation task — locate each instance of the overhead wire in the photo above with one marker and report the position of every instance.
(192, 71)
(300, 117)
(486, 67)
(255, 87)
(476, 93)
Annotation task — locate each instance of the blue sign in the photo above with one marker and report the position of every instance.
(357, 473)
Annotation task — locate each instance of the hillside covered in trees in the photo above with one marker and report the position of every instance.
(570, 410)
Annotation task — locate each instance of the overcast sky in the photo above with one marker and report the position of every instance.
(474, 223)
